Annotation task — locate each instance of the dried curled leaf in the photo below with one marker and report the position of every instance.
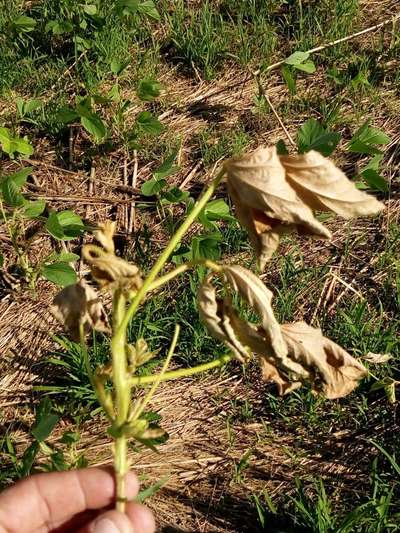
(377, 358)
(332, 369)
(266, 204)
(139, 354)
(105, 235)
(324, 187)
(77, 305)
(110, 271)
(216, 315)
(289, 354)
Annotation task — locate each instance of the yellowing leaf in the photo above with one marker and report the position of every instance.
(323, 187)
(266, 204)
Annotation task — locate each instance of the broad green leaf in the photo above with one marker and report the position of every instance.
(5, 140)
(307, 66)
(214, 211)
(19, 178)
(22, 146)
(67, 257)
(174, 195)
(167, 166)
(20, 103)
(149, 123)
(90, 9)
(366, 138)
(24, 23)
(149, 9)
(32, 105)
(42, 429)
(148, 89)
(65, 225)
(28, 459)
(290, 80)
(34, 209)
(61, 274)
(66, 115)
(374, 180)
(118, 66)
(206, 246)
(374, 163)
(11, 193)
(360, 147)
(153, 186)
(313, 136)
(297, 58)
(95, 126)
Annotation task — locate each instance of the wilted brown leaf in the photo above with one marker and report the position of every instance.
(266, 204)
(79, 304)
(110, 271)
(105, 235)
(331, 368)
(324, 187)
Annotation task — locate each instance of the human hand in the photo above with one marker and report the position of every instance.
(74, 501)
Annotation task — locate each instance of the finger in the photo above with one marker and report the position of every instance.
(141, 517)
(110, 522)
(49, 500)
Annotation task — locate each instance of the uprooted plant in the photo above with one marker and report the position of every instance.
(273, 195)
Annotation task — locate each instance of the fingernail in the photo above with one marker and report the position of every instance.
(104, 525)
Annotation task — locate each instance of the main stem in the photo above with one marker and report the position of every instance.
(168, 251)
(122, 390)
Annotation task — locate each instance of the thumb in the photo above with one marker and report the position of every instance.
(110, 522)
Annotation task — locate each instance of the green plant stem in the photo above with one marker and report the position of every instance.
(122, 391)
(139, 381)
(162, 280)
(173, 243)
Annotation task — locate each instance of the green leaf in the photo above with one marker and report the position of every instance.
(206, 246)
(175, 195)
(308, 67)
(281, 148)
(374, 180)
(67, 257)
(149, 9)
(148, 89)
(34, 209)
(297, 58)
(24, 23)
(45, 420)
(95, 126)
(20, 177)
(90, 9)
(22, 146)
(20, 103)
(66, 115)
(150, 491)
(149, 123)
(167, 166)
(11, 193)
(365, 139)
(374, 163)
(61, 274)
(313, 136)
(153, 186)
(32, 105)
(65, 225)
(289, 79)
(215, 210)
(118, 66)
(28, 459)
